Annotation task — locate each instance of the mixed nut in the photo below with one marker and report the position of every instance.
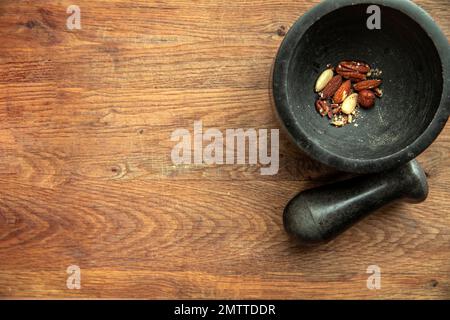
(342, 89)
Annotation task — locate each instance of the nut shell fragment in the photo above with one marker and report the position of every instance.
(378, 92)
(339, 120)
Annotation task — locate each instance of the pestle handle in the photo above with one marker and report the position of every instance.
(322, 213)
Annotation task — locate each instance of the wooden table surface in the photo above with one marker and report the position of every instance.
(86, 176)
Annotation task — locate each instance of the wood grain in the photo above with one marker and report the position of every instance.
(86, 177)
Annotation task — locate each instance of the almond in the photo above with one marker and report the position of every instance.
(331, 87)
(349, 104)
(323, 79)
(343, 92)
(366, 99)
(367, 84)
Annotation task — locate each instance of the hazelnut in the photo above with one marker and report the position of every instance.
(366, 99)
